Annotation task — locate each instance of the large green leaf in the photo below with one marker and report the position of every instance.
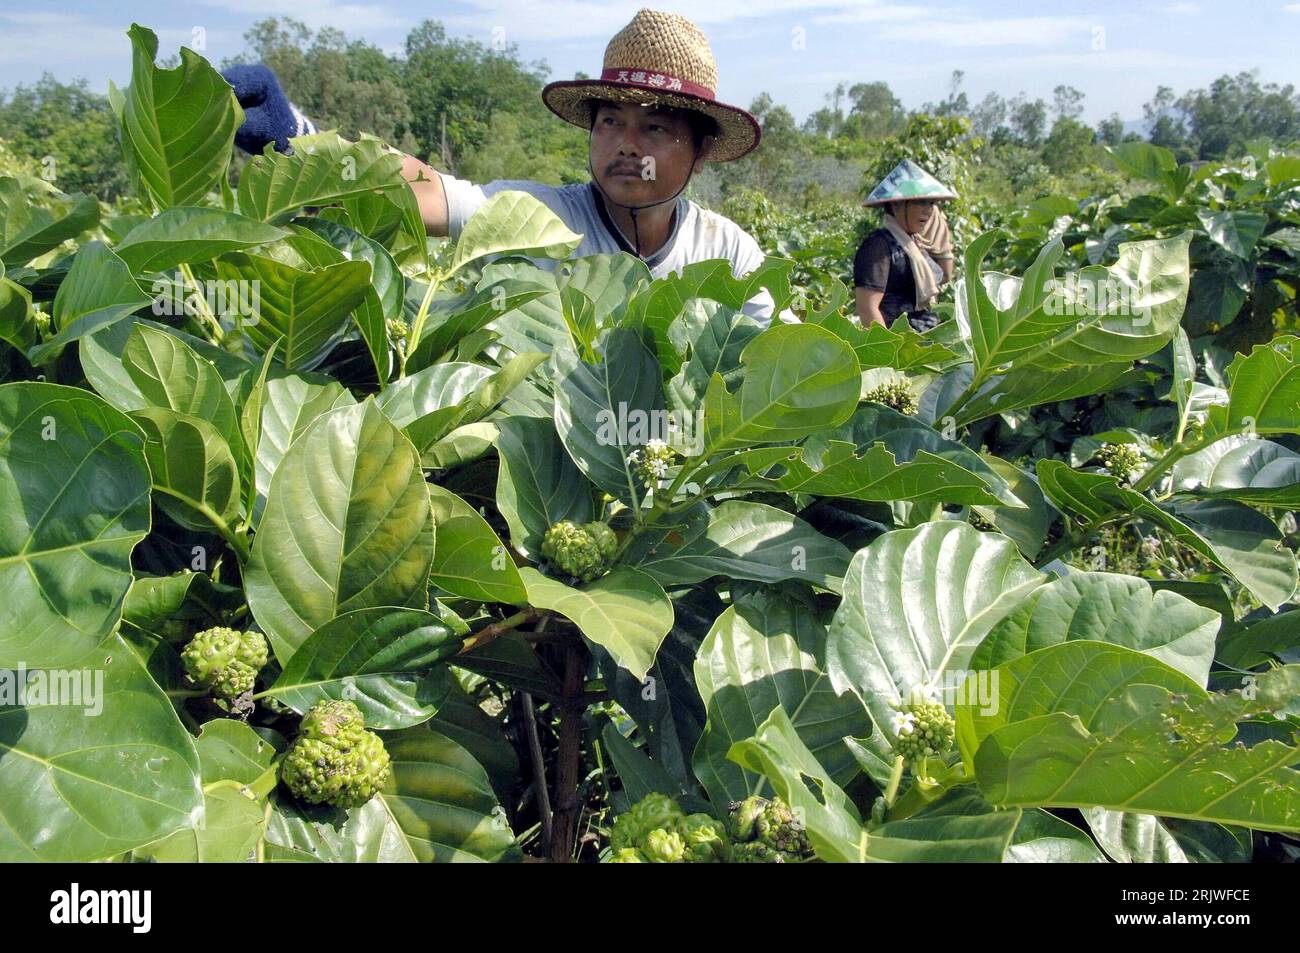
(1234, 230)
(451, 321)
(916, 605)
(177, 124)
(1134, 838)
(703, 349)
(639, 773)
(538, 484)
(323, 169)
(1097, 316)
(74, 491)
(75, 787)
(1240, 540)
(1264, 394)
(798, 380)
(740, 540)
(1020, 388)
(625, 612)
(431, 403)
(383, 302)
(1045, 838)
(959, 827)
(230, 829)
(898, 347)
(290, 404)
(606, 411)
(168, 373)
(306, 310)
(1260, 472)
(31, 228)
(229, 750)
(1027, 525)
(380, 659)
(101, 360)
(516, 222)
(767, 652)
(1107, 607)
(97, 292)
(884, 456)
(17, 322)
(346, 526)
(1086, 724)
(195, 477)
(179, 236)
(438, 807)
(609, 282)
(469, 560)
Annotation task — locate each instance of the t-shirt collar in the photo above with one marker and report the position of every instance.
(623, 241)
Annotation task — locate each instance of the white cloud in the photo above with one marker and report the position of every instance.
(1183, 9)
(1291, 8)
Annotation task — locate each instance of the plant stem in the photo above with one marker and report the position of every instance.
(1160, 466)
(539, 765)
(895, 779)
(237, 542)
(568, 759)
(215, 331)
(1069, 539)
(489, 632)
(417, 329)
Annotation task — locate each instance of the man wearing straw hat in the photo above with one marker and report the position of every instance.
(653, 120)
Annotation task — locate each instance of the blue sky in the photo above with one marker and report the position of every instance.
(1116, 51)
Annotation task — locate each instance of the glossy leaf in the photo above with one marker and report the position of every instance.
(78, 788)
(763, 653)
(74, 491)
(538, 484)
(177, 124)
(625, 612)
(179, 236)
(346, 526)
(469, 560)
(902, 625)
(382, 660)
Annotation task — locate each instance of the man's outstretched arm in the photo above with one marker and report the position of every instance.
(270, 117)
(429, 193)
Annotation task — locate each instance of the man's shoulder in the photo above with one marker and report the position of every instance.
(539, 190)
(715, 230)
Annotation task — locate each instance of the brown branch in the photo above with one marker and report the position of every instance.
(568, 759)
(539, 765)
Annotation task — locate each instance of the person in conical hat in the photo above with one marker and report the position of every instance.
(900, 267)
(653, 119)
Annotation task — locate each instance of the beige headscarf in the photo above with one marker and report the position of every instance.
(922, 250)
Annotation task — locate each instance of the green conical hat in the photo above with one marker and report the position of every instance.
(908, 181)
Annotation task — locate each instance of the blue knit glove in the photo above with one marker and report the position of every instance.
(268, 114)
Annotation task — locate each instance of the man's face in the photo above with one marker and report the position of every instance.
(643, 154)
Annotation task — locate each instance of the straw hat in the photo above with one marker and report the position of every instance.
(659, 58)
(908, 181)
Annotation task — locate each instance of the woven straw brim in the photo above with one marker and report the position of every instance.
(738, 132)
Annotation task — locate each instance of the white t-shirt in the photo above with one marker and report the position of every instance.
(698, 234)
